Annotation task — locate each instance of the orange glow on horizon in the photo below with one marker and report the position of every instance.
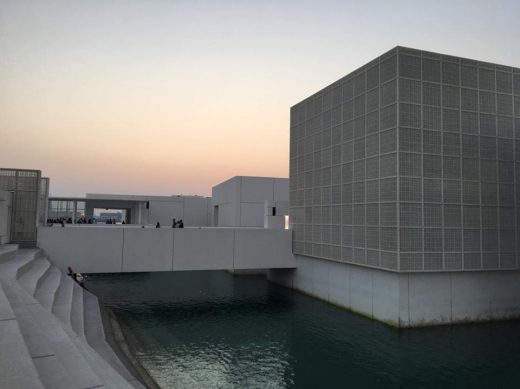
(174, 97)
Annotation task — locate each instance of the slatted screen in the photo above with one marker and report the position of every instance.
(410, 163)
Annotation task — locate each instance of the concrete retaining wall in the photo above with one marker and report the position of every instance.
(100, 249)
(407, 299)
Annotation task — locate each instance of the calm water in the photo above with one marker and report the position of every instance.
(213, 330)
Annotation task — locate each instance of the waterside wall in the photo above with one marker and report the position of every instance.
(119, 249)
(407, 299)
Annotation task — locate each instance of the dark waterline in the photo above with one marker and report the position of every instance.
(213, 330)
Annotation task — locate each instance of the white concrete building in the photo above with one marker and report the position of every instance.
(241, 201)
(193, 210)
(139, 209)
(403, 194)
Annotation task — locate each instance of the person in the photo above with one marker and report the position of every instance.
(158, 225)
(62, 224)
(78, 277)
(181, 224)
(174, 223)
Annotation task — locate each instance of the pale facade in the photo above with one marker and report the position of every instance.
(28, 191)
(408, 164)
(404, 190)
(241, 201)
(139, 209)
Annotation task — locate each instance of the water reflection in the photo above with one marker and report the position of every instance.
(213, 330)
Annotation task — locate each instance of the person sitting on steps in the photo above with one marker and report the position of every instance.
(78, 277)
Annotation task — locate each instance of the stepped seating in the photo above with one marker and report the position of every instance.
(95, 336)
(76, 312)
(51, 333)
(8, 252)
(16, 366)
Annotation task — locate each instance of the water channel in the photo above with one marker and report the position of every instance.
(215, 330)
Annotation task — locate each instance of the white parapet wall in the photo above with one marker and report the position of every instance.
(106, 249)
(407, 299)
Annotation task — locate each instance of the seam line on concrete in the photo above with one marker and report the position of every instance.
(240, 202)
(451, 297)
(408, 296)
(372, 295)
(43, 356)
(234, 243)
(173, 245)
(350, 288)
(12, 318)
(122, 250)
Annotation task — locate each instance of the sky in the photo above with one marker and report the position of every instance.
(173, 97)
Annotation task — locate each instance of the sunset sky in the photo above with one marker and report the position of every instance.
(172, 97)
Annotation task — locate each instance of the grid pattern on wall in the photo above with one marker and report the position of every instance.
(25, 186)
(410, 163)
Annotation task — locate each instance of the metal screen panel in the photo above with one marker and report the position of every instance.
(410, 163)
(26, 186)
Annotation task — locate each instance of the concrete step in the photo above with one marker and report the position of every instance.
(27, 255)
(30, 279)
(42, 330)
(8, 252)
(59, 361)
(16, 366)
(17, 369)
(95, 335)
(6, 312)
(46, 290)
(107, 374)
(17, 266)
(76, 311)
(52, 373)
(63, 299)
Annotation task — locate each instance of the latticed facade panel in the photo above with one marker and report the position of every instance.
(410, 163)
(25, 185)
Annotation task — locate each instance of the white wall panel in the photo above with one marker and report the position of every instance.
(149, 249)
(95, 249)
(195, 212)
(251, 215)
(203, 249)
(281, 189)
(163, 212)
(263, 248)
(256, 189)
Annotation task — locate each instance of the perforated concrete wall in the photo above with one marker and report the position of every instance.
(408, 164)
(25, 188)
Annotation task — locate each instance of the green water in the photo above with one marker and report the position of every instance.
(213, 330)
